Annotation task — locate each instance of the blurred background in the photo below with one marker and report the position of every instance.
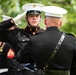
(14, 7)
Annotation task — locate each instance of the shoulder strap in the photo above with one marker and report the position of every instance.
(55, 50)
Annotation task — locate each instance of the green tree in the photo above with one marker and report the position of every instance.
(14, 7)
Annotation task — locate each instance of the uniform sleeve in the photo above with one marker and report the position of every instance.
(73, 66)
(24, 54)
(6, 24)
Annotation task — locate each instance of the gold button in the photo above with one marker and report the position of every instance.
(30, 29)
(33, 33)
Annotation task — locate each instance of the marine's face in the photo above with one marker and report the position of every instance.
(34, 19)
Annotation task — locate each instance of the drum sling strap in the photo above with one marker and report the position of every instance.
(55, 50)
(55, 72)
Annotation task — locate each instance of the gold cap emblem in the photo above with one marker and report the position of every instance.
(34, 5)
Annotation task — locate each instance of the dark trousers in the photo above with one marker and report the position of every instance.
(22, 72)
(26, 72)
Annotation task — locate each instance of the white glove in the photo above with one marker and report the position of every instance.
(18, 18)
(6, 17)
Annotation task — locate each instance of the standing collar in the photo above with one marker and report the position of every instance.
(52, 28)
(32, 30)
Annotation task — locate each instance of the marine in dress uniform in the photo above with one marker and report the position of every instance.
(44, 47)
(10, 59)
(17, 37)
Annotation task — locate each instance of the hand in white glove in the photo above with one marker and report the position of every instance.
(18, 18)
(6, 17)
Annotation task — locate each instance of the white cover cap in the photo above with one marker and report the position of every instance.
(32, 6)
(54, 11)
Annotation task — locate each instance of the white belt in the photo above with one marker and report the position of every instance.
(3, 70)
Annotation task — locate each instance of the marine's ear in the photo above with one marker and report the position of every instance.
(60, 23)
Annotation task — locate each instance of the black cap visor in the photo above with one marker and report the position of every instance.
(33, 12)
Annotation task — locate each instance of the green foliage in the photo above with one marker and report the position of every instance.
(14, 7)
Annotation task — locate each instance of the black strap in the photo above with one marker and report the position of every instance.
(55, 50)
